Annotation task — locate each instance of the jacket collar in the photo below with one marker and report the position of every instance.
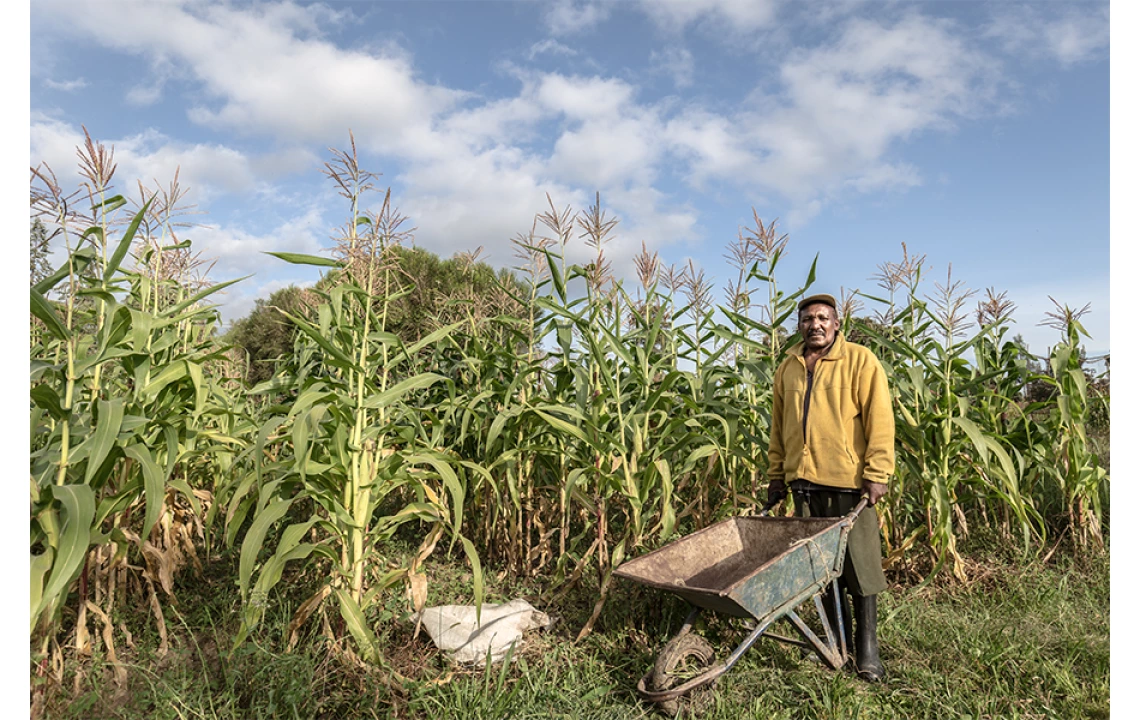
(838, 348)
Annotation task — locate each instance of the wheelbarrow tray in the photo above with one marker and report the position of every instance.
(747, 566)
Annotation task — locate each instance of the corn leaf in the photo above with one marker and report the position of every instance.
(254, 539)
(476, 573)
(106, 434)
(402, 388)
(125, 243)
(80, 260)
(39, 566)
(358, 626)
(42, 309)
(78, 503)
(302, 259)
(153, 485)
(335, 353)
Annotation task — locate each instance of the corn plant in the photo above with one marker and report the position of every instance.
(342, 458)
(1062, 451)
(949, 413)
(121, 407)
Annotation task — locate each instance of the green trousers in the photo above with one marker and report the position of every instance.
(863, 566)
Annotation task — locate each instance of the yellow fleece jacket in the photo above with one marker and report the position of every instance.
(851, 425)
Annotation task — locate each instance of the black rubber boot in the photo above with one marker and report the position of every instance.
(867, 662)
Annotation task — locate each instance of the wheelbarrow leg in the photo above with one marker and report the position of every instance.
(838, 617)
(689, 620)
(827, 649)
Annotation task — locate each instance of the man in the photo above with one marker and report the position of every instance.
(832, 440)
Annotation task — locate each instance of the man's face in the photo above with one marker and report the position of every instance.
(818, 326)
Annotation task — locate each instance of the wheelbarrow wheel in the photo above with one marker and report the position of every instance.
(682, 658)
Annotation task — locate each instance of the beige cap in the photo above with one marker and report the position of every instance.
(821, 298)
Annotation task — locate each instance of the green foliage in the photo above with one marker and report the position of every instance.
(1063, 452)
(440, 292)
(433, 293)
(266, 336)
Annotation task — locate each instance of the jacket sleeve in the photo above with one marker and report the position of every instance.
(776, 428)
(878, 423)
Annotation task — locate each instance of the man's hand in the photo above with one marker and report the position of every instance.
(874, 491)
(777, 490)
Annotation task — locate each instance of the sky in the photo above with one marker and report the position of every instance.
(977, 133)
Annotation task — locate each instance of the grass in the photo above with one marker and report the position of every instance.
(1017, 641)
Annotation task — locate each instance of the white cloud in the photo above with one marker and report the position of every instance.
(267, 69)
(1077, 33)
(842, 108)
(605, 153)
(460, 202)
(210, 169)
(489, 124)
(206, 171)
(66, 85)
(582, 98)
(238, 252)
(475, 170)
(675, 61)
(566, 17)
(646, 215)
(53, 142)
(736, 15)
(712, 145)
(143, 95)
(550, 46)
(149, 92)
(1078, 38)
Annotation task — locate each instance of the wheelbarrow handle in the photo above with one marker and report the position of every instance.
(853, 514)
(771, 504)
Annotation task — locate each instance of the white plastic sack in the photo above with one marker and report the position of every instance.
(453, 629)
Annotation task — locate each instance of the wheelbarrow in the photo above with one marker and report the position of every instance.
(760, 568)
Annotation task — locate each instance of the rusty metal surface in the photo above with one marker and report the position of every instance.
(747, 566)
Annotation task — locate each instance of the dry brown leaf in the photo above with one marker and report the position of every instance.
(417, 590)
(304, 612)
(109, 641)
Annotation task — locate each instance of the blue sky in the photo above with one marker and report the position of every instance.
(975, 132)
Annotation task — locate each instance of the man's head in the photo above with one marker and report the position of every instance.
(819, 321)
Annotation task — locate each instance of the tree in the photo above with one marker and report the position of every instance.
(439, 292)
(444, 291)
(265, 336)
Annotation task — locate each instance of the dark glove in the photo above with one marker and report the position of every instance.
(874, 491)
(777, 491)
